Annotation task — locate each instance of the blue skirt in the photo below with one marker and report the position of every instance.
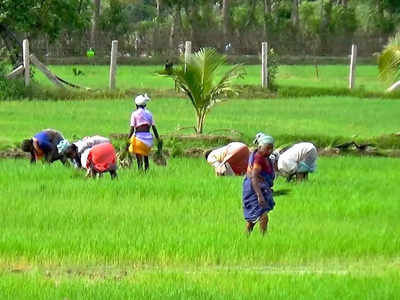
(251, 209)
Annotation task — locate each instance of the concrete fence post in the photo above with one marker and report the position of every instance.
(113, 63)
(353, 64)
(25, 55)
(264, 65)
(188, 51)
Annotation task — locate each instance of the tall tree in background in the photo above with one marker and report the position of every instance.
(192, 14)
(204, 22)
(226, 16)
(267, 17)
(176, 24)
(174, 8)
(295, 13)
(39, 17)
(157, 25)
(325, 24)
(95, 22)
(251, 20)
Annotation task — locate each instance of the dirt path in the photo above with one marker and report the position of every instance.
(358, 268)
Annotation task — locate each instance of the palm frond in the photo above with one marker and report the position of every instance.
(389, 60)
(225, 85)
(198, 80)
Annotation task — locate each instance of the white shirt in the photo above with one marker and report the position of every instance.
(84, 157)
(90, 141)
(288, 160)
(221, 155)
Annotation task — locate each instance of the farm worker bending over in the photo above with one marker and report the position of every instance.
(257, 185)
(44, 144)
(140, 137)
(74, 151)
(299, 160)
(229, 160)
(99, 159)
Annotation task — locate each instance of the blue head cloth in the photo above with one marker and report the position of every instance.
(263, 139)
(62, 146)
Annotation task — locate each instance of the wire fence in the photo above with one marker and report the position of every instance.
(242, 47)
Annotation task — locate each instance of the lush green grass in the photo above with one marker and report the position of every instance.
(138, 77)
(330, 76)
(316, 119)
(199, 285)
(179, 232)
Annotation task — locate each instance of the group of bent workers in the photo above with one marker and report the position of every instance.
(259, 167)
(97, 155)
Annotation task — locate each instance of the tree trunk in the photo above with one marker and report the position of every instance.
(295, 13)
(267, 17)
(156, 35)
(226, 20)
(199, 127)
(158, 7)
(326, 11)
(201, 116)
(175, 27)
(13, 46)
(379, 8)
(252, 9)
(193, 17)
(95, 21)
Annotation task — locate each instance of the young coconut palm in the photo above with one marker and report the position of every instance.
(389, 60)
(198, 80)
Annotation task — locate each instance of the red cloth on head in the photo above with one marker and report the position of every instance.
(102, 157)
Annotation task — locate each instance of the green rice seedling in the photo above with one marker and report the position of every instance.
(179, 231)
(322, 120)
(183, 215)
(133, 283)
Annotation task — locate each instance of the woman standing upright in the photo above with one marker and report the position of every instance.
(140, 137)
(257, 185)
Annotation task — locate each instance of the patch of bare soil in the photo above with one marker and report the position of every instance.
(13, 153)
(119, 136)
(193, 152)
(333, 151)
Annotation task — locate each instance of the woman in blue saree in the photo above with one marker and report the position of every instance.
(257, 185)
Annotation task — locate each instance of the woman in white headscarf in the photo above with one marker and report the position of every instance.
(140, 137)
(96, 154)
(75, 150)
(257, 185)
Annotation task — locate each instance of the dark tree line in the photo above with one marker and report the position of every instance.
(153, 27)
